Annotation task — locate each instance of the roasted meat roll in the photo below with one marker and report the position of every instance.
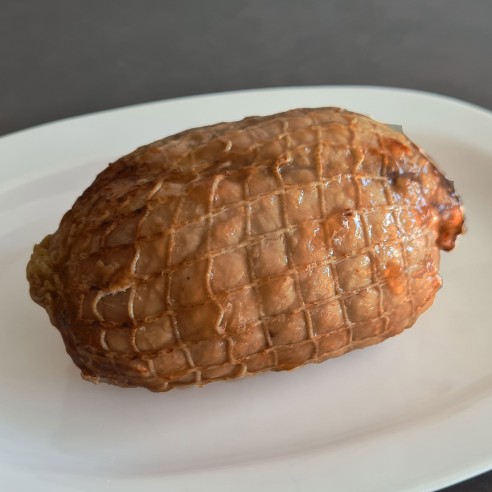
(258, 245)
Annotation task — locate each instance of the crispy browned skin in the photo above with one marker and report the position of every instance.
(242, 247)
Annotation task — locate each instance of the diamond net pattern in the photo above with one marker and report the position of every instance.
(260, 245)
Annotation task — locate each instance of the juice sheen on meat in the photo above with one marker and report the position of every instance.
(263, 244)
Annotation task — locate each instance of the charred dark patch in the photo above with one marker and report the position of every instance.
(348, 212)
(395, 176)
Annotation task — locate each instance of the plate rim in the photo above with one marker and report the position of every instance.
(375, 88)
(478, 468)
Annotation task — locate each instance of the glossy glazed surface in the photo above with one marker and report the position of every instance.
(242, 247)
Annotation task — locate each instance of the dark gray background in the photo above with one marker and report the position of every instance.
(62, 58)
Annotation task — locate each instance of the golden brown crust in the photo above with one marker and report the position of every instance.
(241, 247)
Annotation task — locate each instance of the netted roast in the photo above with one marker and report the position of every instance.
(263, 244)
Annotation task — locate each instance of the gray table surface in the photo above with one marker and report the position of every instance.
(61, 58)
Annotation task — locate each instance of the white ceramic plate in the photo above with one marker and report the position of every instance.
(410, 414)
